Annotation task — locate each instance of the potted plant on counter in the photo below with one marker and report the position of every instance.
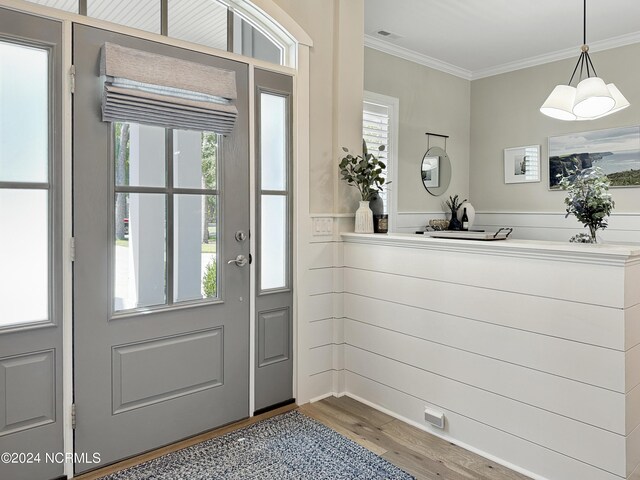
(365, 173)
(588, 198)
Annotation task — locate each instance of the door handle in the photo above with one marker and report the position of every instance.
(240, 261)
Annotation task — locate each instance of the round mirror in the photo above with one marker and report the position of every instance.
(436, 171)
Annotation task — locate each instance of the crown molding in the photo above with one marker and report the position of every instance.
(573, 52)
(401, 52)
(386, 47)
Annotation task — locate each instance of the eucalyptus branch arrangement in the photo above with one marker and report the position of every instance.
(363, 171)
(588, 198)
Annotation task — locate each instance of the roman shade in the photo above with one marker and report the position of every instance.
(152, 89)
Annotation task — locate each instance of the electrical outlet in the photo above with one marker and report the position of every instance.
(434, 417)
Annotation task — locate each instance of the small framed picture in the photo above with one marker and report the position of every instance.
(431, 171)
(522, 164)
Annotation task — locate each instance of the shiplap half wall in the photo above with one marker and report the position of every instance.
(321, 309)
(533, 359)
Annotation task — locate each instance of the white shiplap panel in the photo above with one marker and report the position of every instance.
(632, 281)
(320, 359)
(555, 227)
(566, 397)
(319, 281)
(633, 450)
(573, 321)
(535, 460)
(632, 326)
(597, 447)
(633, 368)
(320, 255)
(321, 333)
(317, 307)
(526, 275)
(633, 409)
(320, 385)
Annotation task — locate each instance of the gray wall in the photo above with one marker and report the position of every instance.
(505, 113)
(430, 101)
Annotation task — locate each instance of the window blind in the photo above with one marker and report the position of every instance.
(375, 131)
(153, 89)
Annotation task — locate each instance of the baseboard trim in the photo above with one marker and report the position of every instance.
(477, 451)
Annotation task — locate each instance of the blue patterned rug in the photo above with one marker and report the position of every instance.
(286, 447)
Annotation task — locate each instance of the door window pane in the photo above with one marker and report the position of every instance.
(273, 142)
(199, 21)
(24, 107)
(142, 14)
(273, 247)
(140, 251)
(195, 159)
(24, 256)
(195, 246)
(139, 152)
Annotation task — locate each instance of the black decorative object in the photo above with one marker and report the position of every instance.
(381, 223)
(453, 204)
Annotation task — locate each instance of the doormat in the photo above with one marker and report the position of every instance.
(286, 447)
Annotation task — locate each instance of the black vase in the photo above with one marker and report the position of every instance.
(454, 223)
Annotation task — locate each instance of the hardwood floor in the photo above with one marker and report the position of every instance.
(422, 455)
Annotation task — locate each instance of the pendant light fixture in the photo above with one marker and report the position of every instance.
(591, 98)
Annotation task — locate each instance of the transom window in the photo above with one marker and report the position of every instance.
(222, 24)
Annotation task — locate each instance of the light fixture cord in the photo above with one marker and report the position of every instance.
(584, 23)
(584, 60)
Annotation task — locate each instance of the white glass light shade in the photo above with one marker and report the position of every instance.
(621, 102)
(593, 98)
(560, 103)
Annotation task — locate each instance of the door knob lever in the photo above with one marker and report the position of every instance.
(240, 261)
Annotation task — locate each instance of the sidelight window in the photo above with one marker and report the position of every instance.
(274, 190)
(25, 185)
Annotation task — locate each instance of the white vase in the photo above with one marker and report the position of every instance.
(364, 218)
(471, 212)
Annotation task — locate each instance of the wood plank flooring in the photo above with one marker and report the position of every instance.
(424, 456)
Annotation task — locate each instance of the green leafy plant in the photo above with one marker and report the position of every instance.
(210, 279)
(363, 171)
(588, 198)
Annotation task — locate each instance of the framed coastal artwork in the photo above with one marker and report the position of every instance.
(522, 164)
(616, 151)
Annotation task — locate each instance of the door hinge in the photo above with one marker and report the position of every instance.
(72, 249)
(72, 79)
(73, 416)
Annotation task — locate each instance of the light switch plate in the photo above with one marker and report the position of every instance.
(322, 226)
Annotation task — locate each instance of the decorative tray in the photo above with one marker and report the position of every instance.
(501, 234)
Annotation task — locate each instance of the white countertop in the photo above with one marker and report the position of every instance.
(599, 253)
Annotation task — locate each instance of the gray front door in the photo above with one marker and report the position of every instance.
(31, 420)
(161, 317)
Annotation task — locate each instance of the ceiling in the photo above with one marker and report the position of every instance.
(479, 38)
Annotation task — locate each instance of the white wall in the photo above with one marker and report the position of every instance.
(505, 113)
(430, 101)
(530, 367)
